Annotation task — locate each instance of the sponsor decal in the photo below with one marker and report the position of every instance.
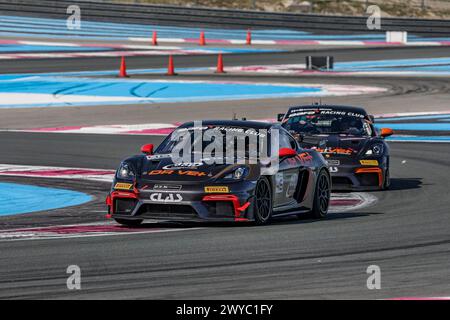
(369, 162)
(177, 172)
(164, 187)
(166, 198)
(279, 179)
(344, 151)
(157, 157)
(217, 189)
(334, 169)
(225, 129)
(191, 173)
(186, 165)
(313, 111)
(123, 186)
(305, 158)
(334, 162)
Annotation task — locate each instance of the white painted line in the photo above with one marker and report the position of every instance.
(42, 43)
(424, 43)
(294, 42)
(57, 172)
(89, 230)
(11, 99)
(340, 43)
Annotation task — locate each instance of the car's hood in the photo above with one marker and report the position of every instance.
(335, 144)
(162, 168)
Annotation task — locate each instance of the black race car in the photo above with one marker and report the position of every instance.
(219, 185)
(356, 152)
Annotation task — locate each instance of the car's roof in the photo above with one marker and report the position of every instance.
(231, 123)
(332, 107)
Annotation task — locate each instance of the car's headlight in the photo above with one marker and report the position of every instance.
(237, 174)
(375, 150)
(125, 171)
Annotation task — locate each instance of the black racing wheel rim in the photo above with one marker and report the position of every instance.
(324, 193)
(263, 201)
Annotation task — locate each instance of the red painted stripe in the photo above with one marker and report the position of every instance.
(345, 202)
(420, 298)
(162, 131)
(9, 42)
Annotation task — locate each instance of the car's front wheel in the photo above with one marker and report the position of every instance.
(129, 223)
(387, 180)
(262, 204)
(322, 196)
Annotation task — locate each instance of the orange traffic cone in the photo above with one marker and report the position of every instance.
(249, 37)
(155, 38)
(171, 67)
(220, 68)
(123, 69)
(202, 40)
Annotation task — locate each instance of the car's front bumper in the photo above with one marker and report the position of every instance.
(350, 174)
(189, 203)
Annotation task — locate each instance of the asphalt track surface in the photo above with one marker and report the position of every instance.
(406, 233)
(293, 56)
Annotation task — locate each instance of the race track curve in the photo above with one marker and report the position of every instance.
(406, 233)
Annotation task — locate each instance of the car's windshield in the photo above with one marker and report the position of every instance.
(216, 141)
(318, 123)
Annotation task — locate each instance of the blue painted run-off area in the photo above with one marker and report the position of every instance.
(429, 65)
(62, 91)
(26, 48)
(19, 199)
(437, 128)
(16, 48)
(420, 138)
(416, 126)
(145, 89)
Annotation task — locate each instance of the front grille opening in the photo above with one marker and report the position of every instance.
(124, 206)
(341, 181)
(368, 179)
(220, 208)
(167, 210)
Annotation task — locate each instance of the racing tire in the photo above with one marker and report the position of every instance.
(386, 181)
(129, 223)
(262, 202)
(322, 196)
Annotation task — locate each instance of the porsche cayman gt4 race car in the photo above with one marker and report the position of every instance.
(214, 186)
(356, 151)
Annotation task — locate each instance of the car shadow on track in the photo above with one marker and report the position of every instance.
(405, 184)
(275, 221)
(330, 217)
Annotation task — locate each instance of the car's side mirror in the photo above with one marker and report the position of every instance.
(287, 153)
(280, 117)
(386, 132)
(147, 149)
